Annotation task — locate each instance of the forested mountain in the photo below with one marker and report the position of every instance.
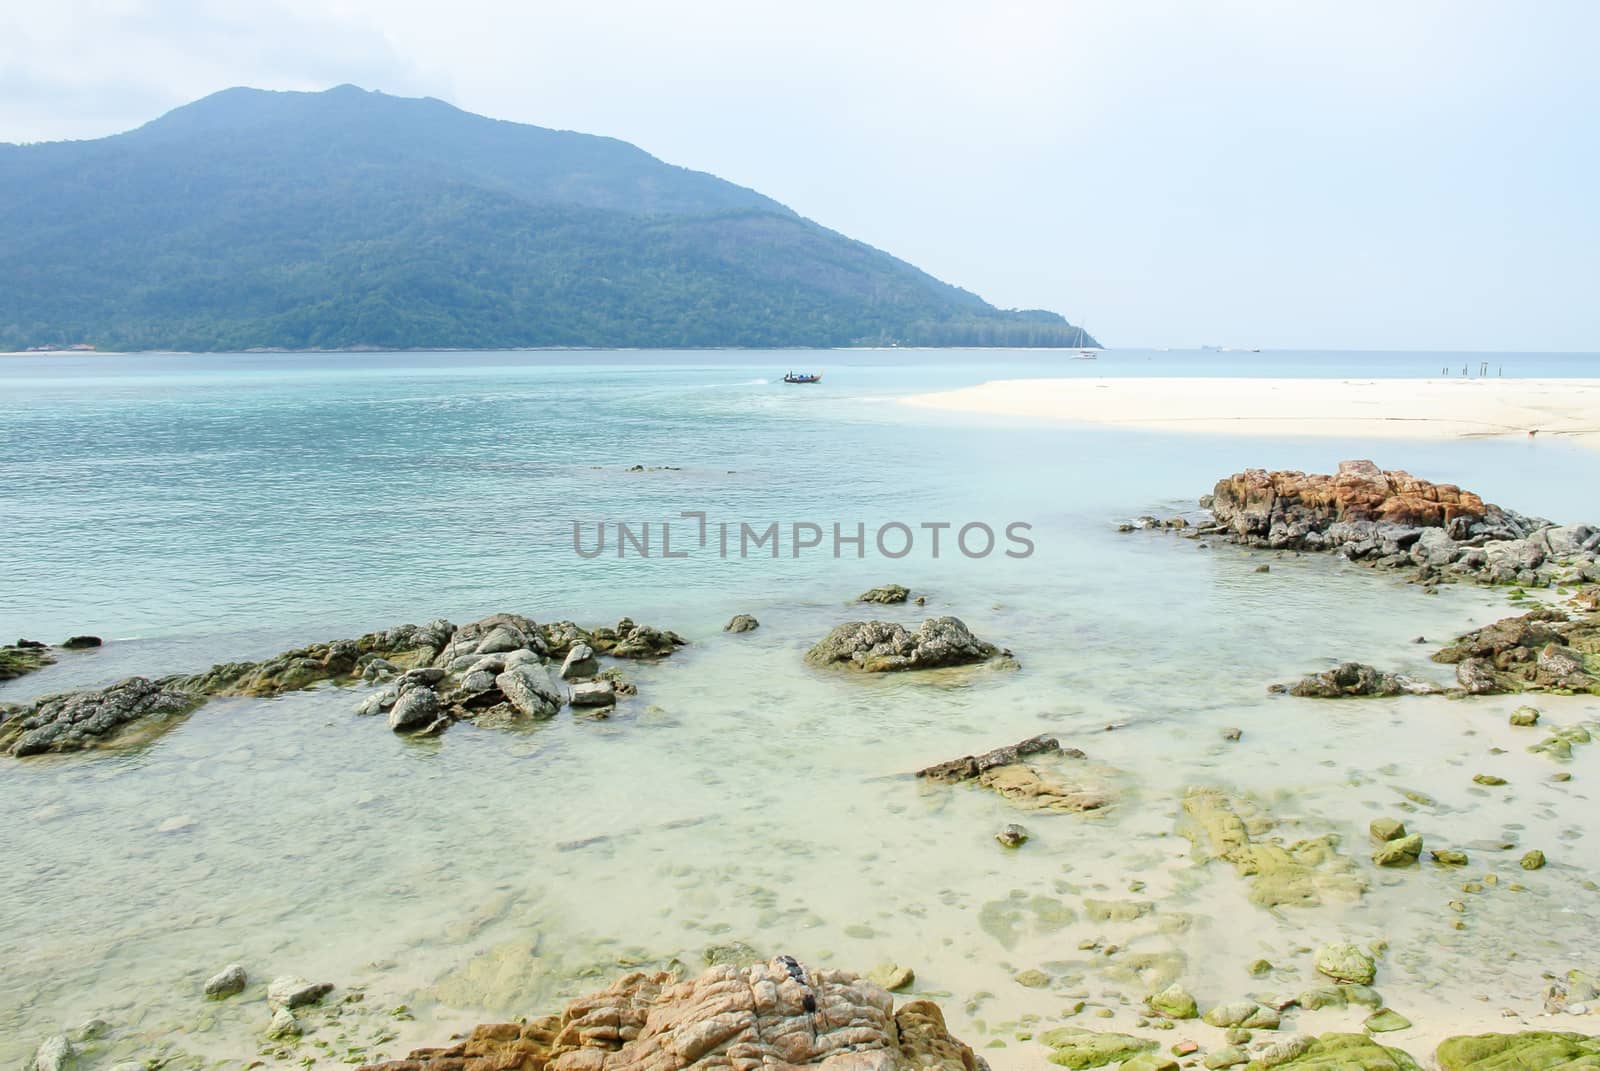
(349, 218)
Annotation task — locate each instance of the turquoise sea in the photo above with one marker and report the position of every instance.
(199, 508)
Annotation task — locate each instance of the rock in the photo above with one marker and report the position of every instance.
(80, 643)
(881, 646)
(1386, 1020)
(886, 594)
(1335, 1052)
(1149, 1061)
(637, 641)
(1032, 978)
(741, 623)
(1386, 829)
(891, 976)
(225, 983)
(1533, 860)
(1351, 679)
(970, 766)
(1076, 1048)
(91, 1029)
(1032, 789)
(415, 709)
(289, 991)
(1280, 509)
(1344, 962)
(1225, 1057)
(1232, 734)
(1259, 968)
(780, 1015)
(594, 694)
(23, 657)
(530, 691)
(55, 1053)
(1174, 1002)
(1246, 1014)
(1490, 780)
(1236, 831)
(1322, 997)
(1534, 1049)
(1403, 851)
(1524, 717)
(1012, 836)
(73, 721)
(1448, 857)
(283, 1026)
(580, 662)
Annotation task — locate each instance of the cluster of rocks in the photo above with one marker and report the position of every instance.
(495, 671)
(889, 594)
(25, 656)
(1393, 520)
(1546, 650)
(884, 646)
(778, 1014)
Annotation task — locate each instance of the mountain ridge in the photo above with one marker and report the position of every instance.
(252, 219)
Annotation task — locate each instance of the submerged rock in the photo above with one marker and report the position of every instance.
(891, 976)
(594, 694)
(1012, 836)
(779, 1014)
(227, 982)
(55, 1053)
(885, 594)
(970, 766)
(1402, 851)
(1077, 1048)
(882, 646)
(1344, 962)
(23, 657)
(288, 991)
(1334, 1052)
(741, 623)
(1245, 1014)
(1386, 829)
(74, 721)
(1238, 832)
(1028, 785)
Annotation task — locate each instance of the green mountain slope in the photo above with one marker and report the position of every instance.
(348, 218)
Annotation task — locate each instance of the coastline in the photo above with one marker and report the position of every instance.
(1347, 408)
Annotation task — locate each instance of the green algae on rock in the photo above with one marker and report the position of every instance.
(1334, 1052)
(1386, 1020)
(1236, 831)
(1077, 1048)
(885, 646)
(1534, 1049)
(1386, 829)
(1543, 650)
(1344, 962)
(23, 657)
(1174, 1002)
(1533, 860)
(891, 976)
(1402, 851)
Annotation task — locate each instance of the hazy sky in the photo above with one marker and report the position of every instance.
(1360, 173)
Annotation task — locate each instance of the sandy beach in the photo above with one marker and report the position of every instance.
(1386, 408)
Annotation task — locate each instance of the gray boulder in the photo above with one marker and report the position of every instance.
(528, 688)
(53, 1054)
(601, 693)
(417, 708)
(289, 991)
(225, 983)
(741, 623)
(77, 720)
(580, 662)
(883, 646)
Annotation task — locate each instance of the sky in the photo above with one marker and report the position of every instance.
(1361, 174)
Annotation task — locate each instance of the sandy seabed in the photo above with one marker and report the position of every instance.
(1391, 408)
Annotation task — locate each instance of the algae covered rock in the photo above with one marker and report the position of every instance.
(1344, 962)
(1150, 1061)
(1237, 831)
(1525, 717)
(1402, 851)
(1243, 1014)
(885, 594)
(1534, 1049)
(1175, 1002)
(891, 976)
(741, 623)
(1533, 860)
(1386, 829)
(1076, 1048)
(1386, 1020)
(1335, 1052)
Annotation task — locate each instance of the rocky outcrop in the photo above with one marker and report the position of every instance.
(779, 1015)
(1391, 519)
(494, 672)
(1545, 650)
(1033, 786)
(1301, 873)
(885, 594)
(1357, 679)
(77, 720)
(23, 657)
(883, 646)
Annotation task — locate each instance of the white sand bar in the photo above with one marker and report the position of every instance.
(1350, 408)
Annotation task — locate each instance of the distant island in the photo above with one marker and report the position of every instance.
(350, 219)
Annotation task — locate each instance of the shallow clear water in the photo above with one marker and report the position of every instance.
(201, 508)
